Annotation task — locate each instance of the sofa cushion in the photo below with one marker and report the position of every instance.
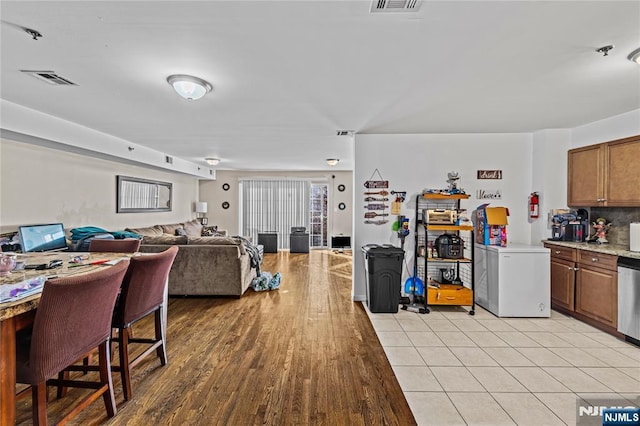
(148, 231)
(170, 228)
(165, 239)
(216, 241)
(193, 228)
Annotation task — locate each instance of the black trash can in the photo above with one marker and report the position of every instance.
(383, 271)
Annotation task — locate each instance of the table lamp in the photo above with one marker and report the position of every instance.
(201, 209)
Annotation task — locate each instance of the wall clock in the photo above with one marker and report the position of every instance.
(341, 188)
(342, 206)
(225, 205)
(225, 186)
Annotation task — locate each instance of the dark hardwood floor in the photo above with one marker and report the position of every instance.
(304, 354)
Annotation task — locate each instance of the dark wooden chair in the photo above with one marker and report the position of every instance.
(126, 245)
(141, 295)
(74, 317)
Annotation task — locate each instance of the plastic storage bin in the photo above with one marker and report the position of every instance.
(383, 266)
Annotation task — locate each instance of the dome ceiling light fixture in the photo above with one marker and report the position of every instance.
(212, 161)
(332, 161)
(634, 56)
(189, 87)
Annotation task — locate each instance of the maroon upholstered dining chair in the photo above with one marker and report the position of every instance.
(126, 245)
(142, 294)
(73, 318)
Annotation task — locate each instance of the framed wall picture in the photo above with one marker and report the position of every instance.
(135, 195)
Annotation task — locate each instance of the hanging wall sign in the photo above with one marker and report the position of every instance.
(376, 200)
(376, 184)
(489, 174)
(488, 194)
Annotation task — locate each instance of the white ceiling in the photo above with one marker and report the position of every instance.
(288, 74)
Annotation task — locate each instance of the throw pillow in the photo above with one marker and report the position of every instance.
(171, 228)
(209, 231)
(193, 228)
(149, 231)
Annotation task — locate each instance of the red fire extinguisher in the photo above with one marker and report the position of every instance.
(534, 203)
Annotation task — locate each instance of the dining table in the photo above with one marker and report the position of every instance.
(18, 312)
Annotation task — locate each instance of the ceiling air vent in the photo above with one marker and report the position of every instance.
(50, 77)
(168, 159)
(395, 5)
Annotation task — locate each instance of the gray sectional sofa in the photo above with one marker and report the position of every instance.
(214, 265)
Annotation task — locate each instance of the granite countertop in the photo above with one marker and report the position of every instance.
(615, 249)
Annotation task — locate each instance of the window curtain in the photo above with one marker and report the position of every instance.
(272, 205)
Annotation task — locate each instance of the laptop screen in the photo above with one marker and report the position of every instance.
(42, 237)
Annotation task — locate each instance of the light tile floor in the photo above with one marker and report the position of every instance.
(458, 369)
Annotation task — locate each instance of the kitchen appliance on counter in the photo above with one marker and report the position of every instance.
(440, 216)
(570, 225)
(629, 298)
(513, 281)
(449, 246)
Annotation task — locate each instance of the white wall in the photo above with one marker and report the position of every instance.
(43, 185)
(414, 162)
(340, 221)
(608, 129)
(23, 124)
(549, 177)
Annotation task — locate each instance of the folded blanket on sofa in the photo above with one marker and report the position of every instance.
(253, 252)
(89, 231)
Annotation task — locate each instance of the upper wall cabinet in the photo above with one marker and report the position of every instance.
(606, 174)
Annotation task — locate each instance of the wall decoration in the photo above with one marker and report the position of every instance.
(488, 194)
(225, 186)
(341, 188)
(342, 206)
(489, 174)
(225, 205)
(135, 195)
(377, 201)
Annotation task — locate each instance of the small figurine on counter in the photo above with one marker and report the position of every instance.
(601, 227)
(453, 178)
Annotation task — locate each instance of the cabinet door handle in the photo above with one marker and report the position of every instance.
(558, 252)
(571, 268)
(575, 269)
(594, 259)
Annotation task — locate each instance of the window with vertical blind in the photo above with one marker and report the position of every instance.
(274, 205)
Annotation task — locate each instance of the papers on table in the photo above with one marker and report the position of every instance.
(17, 291)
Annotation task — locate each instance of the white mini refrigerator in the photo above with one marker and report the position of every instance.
(513, 281)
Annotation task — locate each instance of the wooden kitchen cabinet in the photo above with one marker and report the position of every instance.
(586, 176)
(605, 174)
(597, 287)
(623, 173)
(563, 277)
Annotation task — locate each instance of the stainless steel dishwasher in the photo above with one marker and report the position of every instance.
(629, 298)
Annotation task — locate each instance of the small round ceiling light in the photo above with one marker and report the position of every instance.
(635, 56)
(332, 161)
(212, 161)
(188, 86)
